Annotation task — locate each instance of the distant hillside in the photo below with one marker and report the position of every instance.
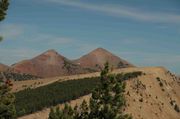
(3, 67)
(51, 64)
(98, 57)
(48, 64)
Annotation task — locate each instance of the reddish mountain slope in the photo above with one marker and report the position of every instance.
(48, 64)
(98, 57)
(3, 67)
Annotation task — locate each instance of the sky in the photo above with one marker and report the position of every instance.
(144, 32)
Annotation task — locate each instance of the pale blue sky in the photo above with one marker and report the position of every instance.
(144, 32)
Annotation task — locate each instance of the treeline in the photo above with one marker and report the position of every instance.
(130, 75)
(32, 100)
(17, 76)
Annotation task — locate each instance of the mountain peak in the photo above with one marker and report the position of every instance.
(98, 57)
(50, 57)
(51, 51)
(100, 49)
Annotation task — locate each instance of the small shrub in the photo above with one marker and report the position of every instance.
(158, 79)
(161, 84)
(24, 86)
(128, 93)
(141, 100)
(176, 108)
(172, 102)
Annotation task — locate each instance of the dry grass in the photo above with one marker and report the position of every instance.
(146, 99)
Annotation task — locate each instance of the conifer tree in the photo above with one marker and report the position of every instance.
(52, 114)
(7, 108)
(107, 99)
(66, 113)
(3, 8)
(76, 113)
(106, 102)
(84, 110)
(7, 99)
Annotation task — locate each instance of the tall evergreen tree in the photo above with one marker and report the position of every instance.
(52, 114)
(7, 99)
(3, 9)
(106, 102)
(107, 99)
(7, 108)
(84, 110)
(66, 113)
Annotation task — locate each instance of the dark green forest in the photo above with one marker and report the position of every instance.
(32, 100)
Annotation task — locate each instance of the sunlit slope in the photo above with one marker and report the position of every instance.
(150, 96)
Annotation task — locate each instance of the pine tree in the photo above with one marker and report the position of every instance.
(7, 108)
(76, 112)
(52, 114)
(106, 102)
(7, 99)
(84, 110)
(3, 8)
(66, 113)
(107, 99)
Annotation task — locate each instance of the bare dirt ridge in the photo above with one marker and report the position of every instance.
(150, 96)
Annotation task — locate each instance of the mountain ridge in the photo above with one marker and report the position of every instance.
(50, 63)
(98, 57)
(3, 67)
